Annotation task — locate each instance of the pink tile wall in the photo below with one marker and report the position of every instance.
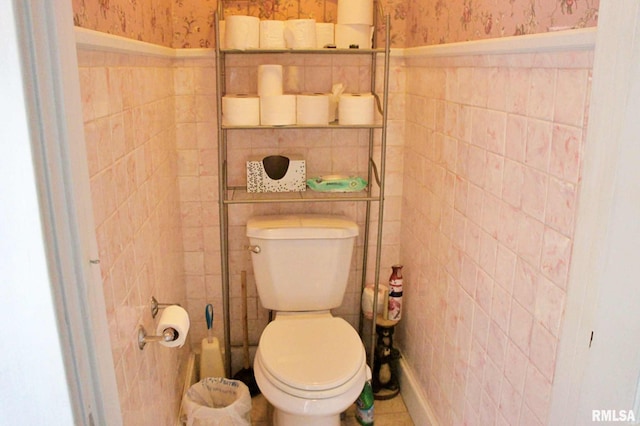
(490, 168)
(197, 150)
(491, 178)
(130, 131)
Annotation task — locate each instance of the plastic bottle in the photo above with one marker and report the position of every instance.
(395, 293)
(364, 405)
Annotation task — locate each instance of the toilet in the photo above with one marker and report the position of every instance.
(310, 365)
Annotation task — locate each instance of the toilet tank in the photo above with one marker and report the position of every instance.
(301, 262)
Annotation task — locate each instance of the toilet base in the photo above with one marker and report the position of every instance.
(281, 418)
(312, 412)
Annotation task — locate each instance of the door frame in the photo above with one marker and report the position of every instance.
(598, 360)
(49, 64)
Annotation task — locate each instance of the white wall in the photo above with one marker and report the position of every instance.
(33, 386)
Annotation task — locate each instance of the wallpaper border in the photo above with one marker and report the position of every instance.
(569, 40)
(103, 42)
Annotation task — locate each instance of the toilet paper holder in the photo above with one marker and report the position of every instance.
(156, 306)
(168, 335)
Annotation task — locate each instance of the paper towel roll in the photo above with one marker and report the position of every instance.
(177, 318)
(272, 34)
(240, 110)
(358, 34)
(242, 32)
(300, 33)
(278, 110)
(367, 300)
(355, 12)
(312, 109)
(324, 34)
(356, 108)
(269, 80)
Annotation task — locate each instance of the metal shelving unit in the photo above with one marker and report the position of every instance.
(232, 195)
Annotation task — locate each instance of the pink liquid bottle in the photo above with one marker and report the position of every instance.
(395, 293)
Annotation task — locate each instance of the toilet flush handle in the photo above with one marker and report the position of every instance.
(254, 249)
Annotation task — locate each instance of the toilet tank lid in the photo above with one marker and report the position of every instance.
(301, 226)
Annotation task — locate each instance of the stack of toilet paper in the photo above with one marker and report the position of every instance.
(355, 24)
(248, 32)
(354, 28)
(272, 107)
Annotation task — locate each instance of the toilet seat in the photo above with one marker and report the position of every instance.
(311, 355)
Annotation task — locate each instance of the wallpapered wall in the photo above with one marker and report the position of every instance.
(188, 24)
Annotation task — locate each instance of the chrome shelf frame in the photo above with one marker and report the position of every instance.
(324, 51)
(331, 126)
(233, 195)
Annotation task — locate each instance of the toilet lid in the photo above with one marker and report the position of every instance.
(313, 354)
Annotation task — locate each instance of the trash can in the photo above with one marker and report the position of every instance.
(216, 401)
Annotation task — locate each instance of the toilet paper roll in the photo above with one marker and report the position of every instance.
(367, 300)
(356, 108)
(272, 34)
(312, 109)
(177, 318)
(324, 34)
(278, 110)
(269, 80)
(240, 110)
(358, 34)
(242, 32)
(355, 12)
(300, 33)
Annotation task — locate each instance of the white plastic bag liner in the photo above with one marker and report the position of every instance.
(216, 401)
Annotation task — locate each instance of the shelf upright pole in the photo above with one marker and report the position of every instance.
(367, 216)
(370, 174)
(383, 149)
(222, 194)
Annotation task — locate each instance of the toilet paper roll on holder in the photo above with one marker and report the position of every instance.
(168, 335)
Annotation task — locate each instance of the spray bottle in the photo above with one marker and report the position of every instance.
(364, 405)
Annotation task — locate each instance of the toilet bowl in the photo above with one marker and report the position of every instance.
(311, 367)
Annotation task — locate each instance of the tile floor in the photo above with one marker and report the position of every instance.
(392, 412)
